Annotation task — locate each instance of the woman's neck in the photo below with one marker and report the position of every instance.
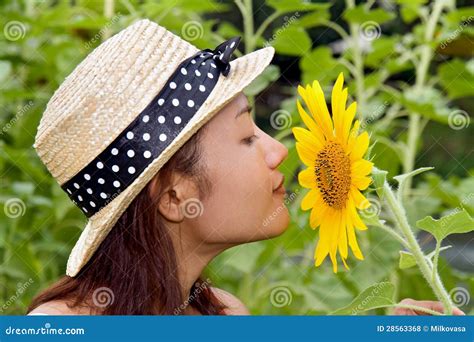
(191, 261)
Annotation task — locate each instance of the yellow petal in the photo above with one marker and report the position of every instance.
(310, 199)
(353, 241)
(309, 122)
(334, 219)
(339, 127)
(345, 264)
(352, 137)
(342, 244)
(319, 108)
(354, 216)
(310, 103)
(360, 146)
(332, 255)
(349, 117)
(305, 154)
(361, 167)
(359, 200)
(308, 139)
(338, 103)
(361, 182)
(317, 213)
(322, 248)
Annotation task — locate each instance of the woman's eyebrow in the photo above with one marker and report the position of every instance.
(247, 109)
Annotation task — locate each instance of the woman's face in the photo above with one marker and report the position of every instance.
(241, 162)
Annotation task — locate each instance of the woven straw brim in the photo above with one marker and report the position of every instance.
(243, 71)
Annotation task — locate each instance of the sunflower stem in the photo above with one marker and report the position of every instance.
(414, 128)
(393, 233)
(435, 259)
(266, 23)
(418, 308)
(245, 7)
(337, 28)
(109, 9)
(358, 63)
(429, 273)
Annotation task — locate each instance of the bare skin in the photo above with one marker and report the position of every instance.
(244, 175)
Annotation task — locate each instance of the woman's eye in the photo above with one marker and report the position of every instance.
(250, 140)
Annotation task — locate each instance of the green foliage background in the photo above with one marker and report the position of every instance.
(409, 85)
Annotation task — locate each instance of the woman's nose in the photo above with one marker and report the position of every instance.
(276, 154)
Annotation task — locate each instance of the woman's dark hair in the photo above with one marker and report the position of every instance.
(134, 270)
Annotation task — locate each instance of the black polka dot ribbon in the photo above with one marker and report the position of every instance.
(147, 136)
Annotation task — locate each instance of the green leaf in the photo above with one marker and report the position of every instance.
(296, 5)
(269, 75)
(157, 8)
(5, 69)
(320, 65)
(457, 78)
(409, 9)
(379, 177)
(401, 179)
(418, 207)
(460, 15)
(455, 223)
(227, 30)
(382, 48)
(428, 102)
(407, 260)
(360, 14)
(293, 41)
(379, 295)
(314, 18)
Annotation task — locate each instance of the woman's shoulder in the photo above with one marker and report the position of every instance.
(233, 304)
(58, 308)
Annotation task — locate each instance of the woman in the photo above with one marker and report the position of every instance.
(168, 180)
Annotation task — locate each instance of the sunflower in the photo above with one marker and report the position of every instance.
(333, 151)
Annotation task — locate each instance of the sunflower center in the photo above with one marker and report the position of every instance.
(333, 175)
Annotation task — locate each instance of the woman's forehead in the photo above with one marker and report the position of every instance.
(236, 106)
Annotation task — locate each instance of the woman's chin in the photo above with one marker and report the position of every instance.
(275, 225)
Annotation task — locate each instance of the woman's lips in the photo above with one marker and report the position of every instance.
(281, 188)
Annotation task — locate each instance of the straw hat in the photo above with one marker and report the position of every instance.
(86, 129)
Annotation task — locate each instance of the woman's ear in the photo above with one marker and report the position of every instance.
(169, 206)
(171, 201)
